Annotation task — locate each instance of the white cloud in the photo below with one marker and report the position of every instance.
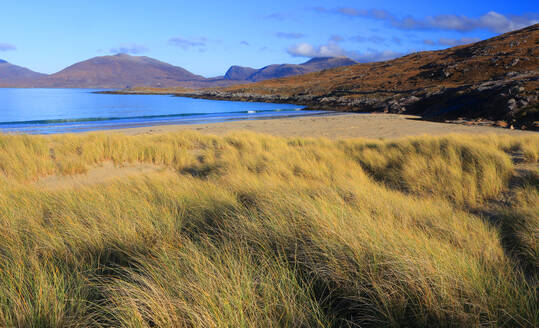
(492, 21)
(447, 22)
(500, 23)
(332, 49)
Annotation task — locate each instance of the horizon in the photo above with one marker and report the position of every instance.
(307, 60)
(278, 32)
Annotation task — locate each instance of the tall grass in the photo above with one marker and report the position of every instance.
(259, 231)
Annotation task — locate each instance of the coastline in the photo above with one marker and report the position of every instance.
(340, 125)
(338, 105)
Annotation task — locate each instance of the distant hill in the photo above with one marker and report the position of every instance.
(123, 71)
(240, 73)
(11, 74)
(495, 79)
(119, 71)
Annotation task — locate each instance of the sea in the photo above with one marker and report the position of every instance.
(47, 111)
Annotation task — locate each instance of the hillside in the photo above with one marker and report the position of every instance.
(495, 79)
(10, 74)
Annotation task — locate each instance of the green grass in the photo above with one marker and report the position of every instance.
(258, 231)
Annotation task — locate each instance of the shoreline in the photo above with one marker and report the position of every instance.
(315, 104)
(340, 125)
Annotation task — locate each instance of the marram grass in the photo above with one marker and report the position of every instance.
(258, 231)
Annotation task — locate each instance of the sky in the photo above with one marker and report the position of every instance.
(207, 37)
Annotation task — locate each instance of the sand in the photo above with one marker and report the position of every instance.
(102, 173)
(345, 125)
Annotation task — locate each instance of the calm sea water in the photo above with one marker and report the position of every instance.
(46, 111)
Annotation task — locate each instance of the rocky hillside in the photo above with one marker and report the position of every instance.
(496, 80)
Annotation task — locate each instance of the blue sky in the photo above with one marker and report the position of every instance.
(206, 37)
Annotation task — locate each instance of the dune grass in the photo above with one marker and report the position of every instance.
(257, 231)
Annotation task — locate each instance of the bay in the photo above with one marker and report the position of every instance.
(45, 111)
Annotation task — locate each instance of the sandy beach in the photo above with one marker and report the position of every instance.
(346, 125)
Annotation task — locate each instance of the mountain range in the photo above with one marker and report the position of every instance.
(248, 74)
(495, 80)
(122, 70)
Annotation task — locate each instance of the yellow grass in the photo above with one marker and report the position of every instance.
(257, 231)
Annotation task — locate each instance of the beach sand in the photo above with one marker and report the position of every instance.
(346, 125)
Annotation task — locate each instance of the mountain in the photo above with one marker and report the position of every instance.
(277, 71)
(239, 73)
(119, 71)
(123, 71)
(10, 74)
(496, 79)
